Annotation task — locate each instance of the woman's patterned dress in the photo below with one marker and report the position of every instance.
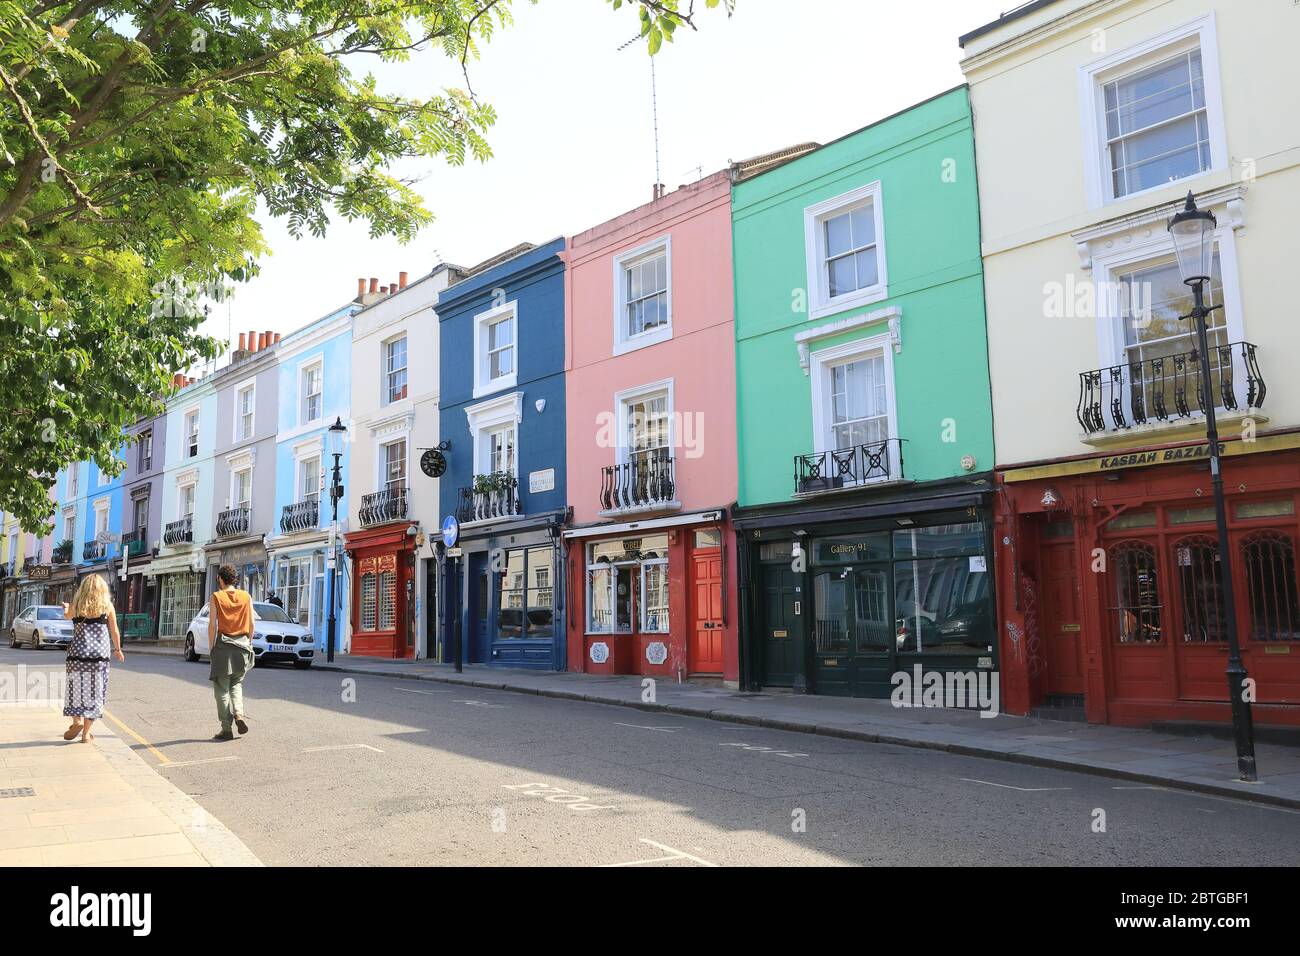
(87, 668)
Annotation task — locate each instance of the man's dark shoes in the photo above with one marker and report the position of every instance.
(242, 724)
(224, 735)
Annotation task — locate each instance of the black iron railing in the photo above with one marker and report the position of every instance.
(381, 507)
(94, 551)
(485, 502)
(300, 516)
(233, 522)
(848, 467)
(179, 532)
(1169, 388)
(135, 543)
(62, 554)
(647, 480)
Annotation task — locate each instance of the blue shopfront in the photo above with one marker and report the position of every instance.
(503, 414)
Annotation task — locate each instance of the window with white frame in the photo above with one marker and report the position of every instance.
(74, 479)
(140, 521)
(499, 450)
(495, 342)
(295, 577)
(627, 585)
(845, 248)
(241, 488)
(309, 479)
(70, 526)
(643, 296)
(186, 499)
(101, 518)
(854, 415)
(103, 477)
(1154, 113)
(245, 405)
(311, 389)
(146, 450)
(646, 425)
(191, 434)
(395, 388)
(393, 465)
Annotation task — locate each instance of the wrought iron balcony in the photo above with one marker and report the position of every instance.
(497, 496)
(1169, 388)
(849, 467)
(646, 481)
(135, 543)
(300, 516)
(382, 507)
(179, 532)
(233, 522)
(94, 551)
(62, 554)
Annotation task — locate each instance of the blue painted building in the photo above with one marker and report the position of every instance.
(99, 514)
(314, 388)
(503, 411)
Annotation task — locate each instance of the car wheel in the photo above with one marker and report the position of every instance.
(191, 654)
(13, 637)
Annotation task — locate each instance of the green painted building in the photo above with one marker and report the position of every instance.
(864, 416)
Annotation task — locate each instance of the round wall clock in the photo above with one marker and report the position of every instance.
(433, 463)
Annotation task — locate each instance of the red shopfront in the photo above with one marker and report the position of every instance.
(383, 586)
(656, 597)
(1110, 583)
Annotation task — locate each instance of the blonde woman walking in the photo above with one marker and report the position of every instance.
(94, 633)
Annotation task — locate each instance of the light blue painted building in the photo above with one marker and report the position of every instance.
(315, 387)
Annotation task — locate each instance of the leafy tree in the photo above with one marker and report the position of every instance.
(137, 138)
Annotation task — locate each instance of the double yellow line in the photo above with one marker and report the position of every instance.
(162, 757)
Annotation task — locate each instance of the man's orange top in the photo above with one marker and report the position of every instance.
(233, 612)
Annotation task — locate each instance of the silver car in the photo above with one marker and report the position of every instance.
(41, 625)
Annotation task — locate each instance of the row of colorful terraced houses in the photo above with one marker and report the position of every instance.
(919, 396)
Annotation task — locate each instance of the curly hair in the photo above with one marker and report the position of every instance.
(92, 598)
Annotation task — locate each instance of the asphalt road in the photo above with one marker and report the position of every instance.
(341, 769)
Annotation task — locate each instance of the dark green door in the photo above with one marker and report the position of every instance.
(853, 652)
(784, 609)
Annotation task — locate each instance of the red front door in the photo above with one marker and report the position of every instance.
(706, 611)
(1062, 633)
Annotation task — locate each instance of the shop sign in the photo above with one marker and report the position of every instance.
(1144, 459)
(656, 652)
(851, 550)
(599, 652)
(38, 573)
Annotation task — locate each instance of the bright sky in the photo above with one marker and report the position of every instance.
(574, 144)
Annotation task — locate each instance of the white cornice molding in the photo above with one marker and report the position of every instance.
(1228, 203)
(246, 457)
(892, 314)
(392, 425)
(1033, 35)
(188, 477)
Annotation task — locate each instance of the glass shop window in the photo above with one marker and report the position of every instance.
(1136, 611)
(627, 584)
(1269, 559)
(942, 605)
(1200, 590)
(526, 595)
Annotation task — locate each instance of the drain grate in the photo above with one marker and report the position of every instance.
(17, 792)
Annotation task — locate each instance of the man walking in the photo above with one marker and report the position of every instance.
(230, 624)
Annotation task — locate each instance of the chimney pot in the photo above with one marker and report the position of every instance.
(374, 285)
(266, 343)
(277, 339)
(361, 286)
(401, 280)
(252, 341)
(243, 347)
(383, 290)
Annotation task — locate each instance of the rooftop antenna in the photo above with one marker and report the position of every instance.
(654, 108)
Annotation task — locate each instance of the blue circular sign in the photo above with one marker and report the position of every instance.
(450, 531)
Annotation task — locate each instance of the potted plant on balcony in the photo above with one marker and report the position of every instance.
(63, 552)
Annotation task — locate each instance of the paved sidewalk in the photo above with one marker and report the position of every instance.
(96, 804)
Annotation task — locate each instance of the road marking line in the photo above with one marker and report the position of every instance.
(672, 855)
(662, 730)
(162, 757)
(412, 690)
(1005, 786)
(481, 703)
(194, 763)
(1140, 788)
(315, 750)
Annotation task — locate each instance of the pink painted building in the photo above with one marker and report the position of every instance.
(651, 397)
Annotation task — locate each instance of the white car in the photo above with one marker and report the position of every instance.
(276, 637)
(41, 625)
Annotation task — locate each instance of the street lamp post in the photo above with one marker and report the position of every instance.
(336, 433)
(1192, 230)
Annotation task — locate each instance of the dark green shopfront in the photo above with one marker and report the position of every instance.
(837, 597)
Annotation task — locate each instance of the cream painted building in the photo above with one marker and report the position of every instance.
(1093, 121)
(394, 505)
